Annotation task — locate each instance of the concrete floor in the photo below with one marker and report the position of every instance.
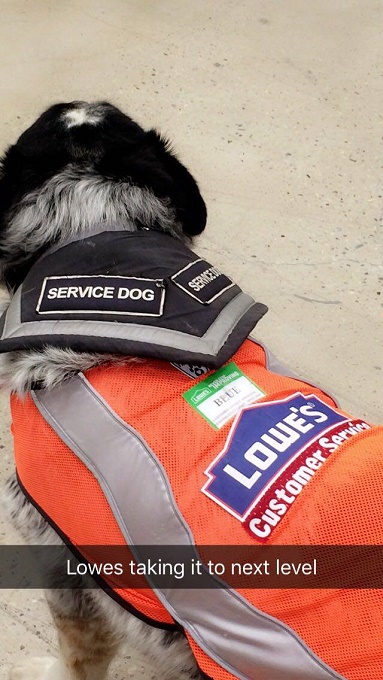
(276, 108)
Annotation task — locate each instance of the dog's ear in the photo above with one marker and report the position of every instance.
(20, 173)
(181, 186)
(13, 176)
(146, 160)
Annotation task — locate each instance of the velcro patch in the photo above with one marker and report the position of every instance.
(191, 370)
(101, 295)
(202, 281)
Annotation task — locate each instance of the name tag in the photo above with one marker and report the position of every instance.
(221, 396)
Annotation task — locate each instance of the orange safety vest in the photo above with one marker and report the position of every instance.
(313, 478)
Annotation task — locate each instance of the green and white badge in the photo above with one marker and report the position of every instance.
(219, 397)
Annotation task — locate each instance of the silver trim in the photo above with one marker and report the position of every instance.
(209, 344)
(260, 645)
(274, 365)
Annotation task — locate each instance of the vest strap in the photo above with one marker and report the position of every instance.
(260, 646)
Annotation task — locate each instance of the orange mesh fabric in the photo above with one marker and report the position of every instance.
(69, 494)
(341, 504)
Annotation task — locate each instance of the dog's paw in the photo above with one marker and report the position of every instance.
(35, 668)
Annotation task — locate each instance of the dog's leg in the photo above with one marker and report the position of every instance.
(84, 655)
(86, 644)
(86, 649)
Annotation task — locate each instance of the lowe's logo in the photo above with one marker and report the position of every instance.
(200, 394)
(263, 441)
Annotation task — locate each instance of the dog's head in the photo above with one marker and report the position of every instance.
(83, 166)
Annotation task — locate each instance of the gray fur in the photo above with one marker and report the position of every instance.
(19, 371)
(75, 201)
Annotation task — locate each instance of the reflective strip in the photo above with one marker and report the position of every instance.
(244, 641)
(276, 366)
(209, 344)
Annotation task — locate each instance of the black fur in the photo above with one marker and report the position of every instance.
(115, 148)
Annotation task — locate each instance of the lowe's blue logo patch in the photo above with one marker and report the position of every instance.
(263, 441)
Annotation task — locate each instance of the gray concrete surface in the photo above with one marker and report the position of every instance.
(276, 107)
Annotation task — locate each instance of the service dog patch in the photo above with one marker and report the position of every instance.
(272, 451)
(202, 281)
(101, 295)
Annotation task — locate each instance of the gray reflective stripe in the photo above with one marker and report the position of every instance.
(276, 366)
(246, 642)
(12, 315)
(210, 343)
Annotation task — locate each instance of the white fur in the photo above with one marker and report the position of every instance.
(89, 114)
(73, 202)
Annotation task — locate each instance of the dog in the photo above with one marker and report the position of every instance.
(81, 165)
(86, 180)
